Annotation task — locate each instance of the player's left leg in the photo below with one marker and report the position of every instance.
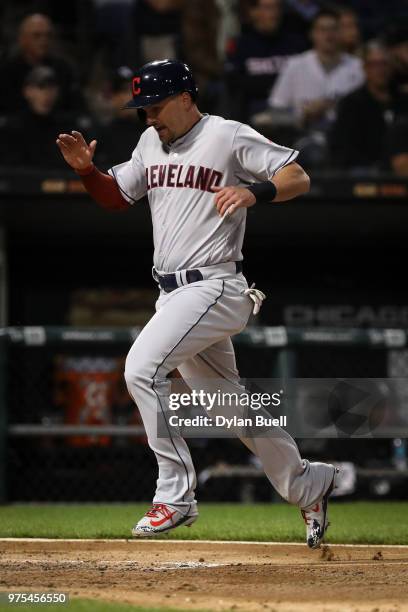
(297, 480)
(303, 483)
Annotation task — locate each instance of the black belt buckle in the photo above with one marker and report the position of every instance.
(168, 282)
(193, 276)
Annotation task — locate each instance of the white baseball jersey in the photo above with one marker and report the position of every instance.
(178, 179)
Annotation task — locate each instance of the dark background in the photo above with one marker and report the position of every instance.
(314, 251)
(335, 258)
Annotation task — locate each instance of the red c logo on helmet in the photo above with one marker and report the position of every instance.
(136, 90)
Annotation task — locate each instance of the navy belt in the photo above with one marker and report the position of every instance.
(168, 282)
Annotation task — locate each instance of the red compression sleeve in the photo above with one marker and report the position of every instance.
(103, 188)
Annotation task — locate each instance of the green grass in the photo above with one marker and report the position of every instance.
(84, 605)
(357, 522)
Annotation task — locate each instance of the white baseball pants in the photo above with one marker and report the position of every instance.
(191, 331)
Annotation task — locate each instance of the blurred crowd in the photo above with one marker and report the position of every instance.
(327, 78)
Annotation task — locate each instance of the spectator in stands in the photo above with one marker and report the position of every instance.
(35, 48)
(28, 137)
(397, 43)
(313, 81)
(359, 134)
(119, 136)
(258, 56)
(310, 86)
(350, 34)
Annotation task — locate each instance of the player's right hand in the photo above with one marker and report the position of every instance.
(76, 152)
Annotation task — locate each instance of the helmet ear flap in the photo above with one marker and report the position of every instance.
(141, 113)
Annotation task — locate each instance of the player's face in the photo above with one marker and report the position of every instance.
(166, 117)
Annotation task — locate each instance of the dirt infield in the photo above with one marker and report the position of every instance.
(212, 575)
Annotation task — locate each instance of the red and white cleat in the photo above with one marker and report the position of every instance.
(160, 519)
(316, 517)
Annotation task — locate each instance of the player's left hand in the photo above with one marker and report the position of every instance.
(228, 199)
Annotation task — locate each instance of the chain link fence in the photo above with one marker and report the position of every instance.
(71, 432)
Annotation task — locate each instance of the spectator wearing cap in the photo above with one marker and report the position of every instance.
(34, 47)
(120, 133)
(312, 82)
(359, 135)
(258, 55)
(27, 138)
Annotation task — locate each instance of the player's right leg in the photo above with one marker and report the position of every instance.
(188, 320)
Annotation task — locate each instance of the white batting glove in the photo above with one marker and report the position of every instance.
(257, 296)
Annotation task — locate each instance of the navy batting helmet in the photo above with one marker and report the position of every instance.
(161, 79)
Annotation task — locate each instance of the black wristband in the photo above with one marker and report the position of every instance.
(263, 192)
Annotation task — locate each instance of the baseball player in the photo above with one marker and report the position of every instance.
(200, 174)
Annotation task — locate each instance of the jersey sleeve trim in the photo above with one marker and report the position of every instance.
(287, 161)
